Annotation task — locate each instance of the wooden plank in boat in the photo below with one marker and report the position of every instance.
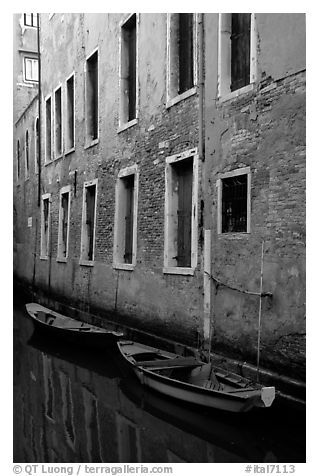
(169, 363)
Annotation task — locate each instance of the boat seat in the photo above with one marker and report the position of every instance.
(170, 363)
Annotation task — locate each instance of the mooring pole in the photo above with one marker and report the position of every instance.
(260, 300)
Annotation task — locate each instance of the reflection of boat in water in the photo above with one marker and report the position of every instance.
(191, 380)
(63, 327)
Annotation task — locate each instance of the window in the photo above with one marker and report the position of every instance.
(45, 225)
(30, 19)
(36, 146)
(128, 71)
(237, 52)
(181, 53)
(234, 201)
(92, 102)
(88, 221)
(48, 136)
(126, 218)
(27, 155)
(64, 220)
(58, 121)
(31, 69)
(70, 113)
(18, 159)
(180, 245)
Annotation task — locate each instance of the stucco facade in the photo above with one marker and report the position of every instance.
(261, 130)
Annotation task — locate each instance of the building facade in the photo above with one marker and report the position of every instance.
(172, 150)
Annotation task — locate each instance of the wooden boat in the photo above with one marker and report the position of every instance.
(60, 327)
(190, 380)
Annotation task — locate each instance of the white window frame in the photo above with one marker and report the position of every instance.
(171, 97)
(88, 141)
(57, 155)
(233, 173)
(224, 57)
(168, 238)
(119, 234)
(69, 149)
(124, 124)
(43, 256)
(24, 20)
(36, 167)
(48, 159)
(26, 148)
(33, 60)
(60, 257)
(84, 261)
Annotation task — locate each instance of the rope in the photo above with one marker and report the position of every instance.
(220, 283)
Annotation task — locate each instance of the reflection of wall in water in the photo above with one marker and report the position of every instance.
(128, 440)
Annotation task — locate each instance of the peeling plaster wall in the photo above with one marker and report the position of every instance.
(265, 130)
(168, 305)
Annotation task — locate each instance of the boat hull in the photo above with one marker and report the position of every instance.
(243, 401)
(93, 336)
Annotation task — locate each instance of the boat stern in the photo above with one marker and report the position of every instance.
(267, 396)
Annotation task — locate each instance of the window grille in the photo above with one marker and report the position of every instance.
(234, 204)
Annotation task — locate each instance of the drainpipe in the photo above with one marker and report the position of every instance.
(207, 325)
(39, 113)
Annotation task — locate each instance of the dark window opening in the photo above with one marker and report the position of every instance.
(129, 216)
(58, 122)
(45, 238)
(129, 68)
(185, 49)
(90, 220)
(37, 139)
(240, 50)
(30, 19)
(92, 96)
(70, 112)
(234, 204)
(27, 153)
(184, 183)
(48, 128)
(18, 159)
(64, 223)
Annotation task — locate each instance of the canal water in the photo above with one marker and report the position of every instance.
(73, 405)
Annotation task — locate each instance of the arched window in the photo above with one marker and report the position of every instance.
(27, 154)
(18, 159)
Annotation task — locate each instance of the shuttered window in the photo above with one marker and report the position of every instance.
(185, 47)
(45, 226)
(63, 235)
(240, 50)
(58, 122)
(92, 97)
(128, 70)
(70, 113)
(90, 217)
(48, 129)
(129, 214)
(18, 159)
(27, 154)
(184, 213)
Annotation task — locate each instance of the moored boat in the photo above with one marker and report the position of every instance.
(191, 380)
(59, 326)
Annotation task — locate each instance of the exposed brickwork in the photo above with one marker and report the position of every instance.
(263, 129)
